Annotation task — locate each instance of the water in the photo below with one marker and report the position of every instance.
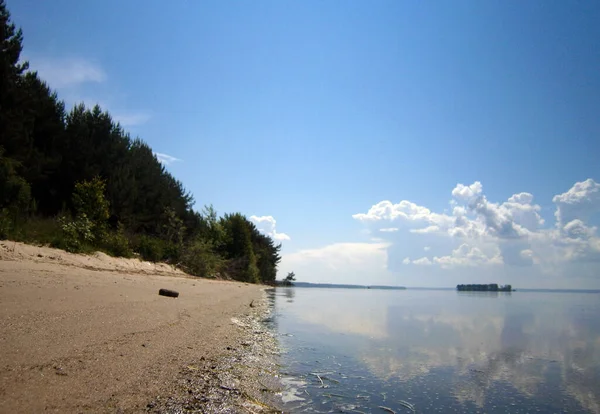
(438, 351)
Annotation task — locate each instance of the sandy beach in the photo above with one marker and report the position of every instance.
(91, 334)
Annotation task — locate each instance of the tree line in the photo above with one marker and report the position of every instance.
(77, 180)
(491, 287)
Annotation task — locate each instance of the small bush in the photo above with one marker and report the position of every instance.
(171, 252)
(200, 259)
(150, 248)
(76, 235)
(117, 244)
(6, 224)
(38, 230)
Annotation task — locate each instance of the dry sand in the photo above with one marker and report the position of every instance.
(91, 334)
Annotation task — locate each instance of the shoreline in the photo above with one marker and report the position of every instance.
(243, 380)
(79, 338)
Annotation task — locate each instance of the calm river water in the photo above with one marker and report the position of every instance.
(426, 351)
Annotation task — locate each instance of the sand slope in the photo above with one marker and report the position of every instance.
(74, 339)
(98, 261)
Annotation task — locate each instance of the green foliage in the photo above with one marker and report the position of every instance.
(201, 259)
(117, 244)
(77, 235)
(173, 229)
(15, 193)
(491, 287)
(238, 245)
(211, 227)
(37, 230)
(5, 224)
(82, 163)
(150, 248)
(267, 256)
(289, 279)
(89, 202)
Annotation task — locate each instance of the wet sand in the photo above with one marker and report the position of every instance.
(75, 339)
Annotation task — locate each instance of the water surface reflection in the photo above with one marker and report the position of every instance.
(442, 350)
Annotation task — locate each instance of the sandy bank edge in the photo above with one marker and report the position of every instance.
(245, 380)
(241, 378)
(21, 252)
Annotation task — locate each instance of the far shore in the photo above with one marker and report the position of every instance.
(91, 334)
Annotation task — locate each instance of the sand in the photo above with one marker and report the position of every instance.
(91, 334)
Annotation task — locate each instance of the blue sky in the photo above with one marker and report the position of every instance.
(311, 113)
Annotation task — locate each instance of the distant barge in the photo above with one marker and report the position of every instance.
(492, 287)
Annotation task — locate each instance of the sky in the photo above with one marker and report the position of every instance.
(398, 143)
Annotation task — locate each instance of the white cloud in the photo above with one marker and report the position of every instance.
(266, 225)
(341, 254)
(521, 198)
(576, 229)
(480, 240)
(403, 211)
(358, 263)
(423, 261)
(72, 76)
(166, 159)
(466, 255)
(430, 229)
(467, 192)
(62, 73)
(527, 254)
(525, 214)
(580, 202)
(512, 219)
(459, 211)
(132, 119)
(510, 233)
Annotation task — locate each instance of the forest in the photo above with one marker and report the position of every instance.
(74, 179)
(491, 287)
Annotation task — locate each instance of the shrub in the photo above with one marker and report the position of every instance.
(117, 244)
(200, 259)
(171, 252)
(38, 230)
(89, 201)
(6, 224)
(76, 234)
(150, 248)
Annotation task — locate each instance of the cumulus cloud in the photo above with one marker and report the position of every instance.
(576, 229)
(389, 229)
(521, 198)
(403, 211)
(487, 233)
(466, 255)
(509, 220)
(423, 261)
(580, 202)
(62, 73)
(357, 263)
(342, 255)
(429, 229)
(166, 159)
(267, 225)
(467, 192)
(512, 252)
